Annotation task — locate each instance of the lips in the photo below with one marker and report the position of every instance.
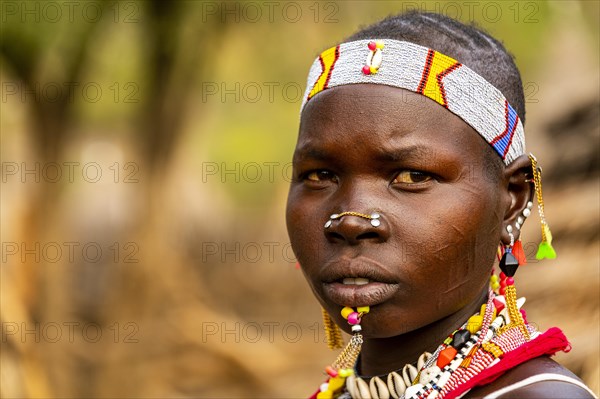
(357, 282)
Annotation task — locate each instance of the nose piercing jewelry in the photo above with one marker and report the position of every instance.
(373, 218)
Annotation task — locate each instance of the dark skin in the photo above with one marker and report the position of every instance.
(368, 148)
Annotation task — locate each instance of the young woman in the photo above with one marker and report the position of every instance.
(410, 179)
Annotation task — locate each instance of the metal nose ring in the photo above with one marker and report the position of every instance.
(373, 218)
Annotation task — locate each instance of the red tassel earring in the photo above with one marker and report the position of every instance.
(519, 253)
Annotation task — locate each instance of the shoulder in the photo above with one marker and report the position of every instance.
(555, 382)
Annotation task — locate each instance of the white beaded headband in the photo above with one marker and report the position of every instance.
(421, 70)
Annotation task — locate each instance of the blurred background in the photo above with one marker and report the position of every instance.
(146, 152)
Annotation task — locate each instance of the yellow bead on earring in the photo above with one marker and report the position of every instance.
(494, 284)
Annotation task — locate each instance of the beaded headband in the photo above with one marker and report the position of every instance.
(421, 70)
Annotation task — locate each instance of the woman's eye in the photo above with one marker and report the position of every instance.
(321, 175)
(411, 177)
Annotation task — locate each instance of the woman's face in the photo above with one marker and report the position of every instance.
(367, 148)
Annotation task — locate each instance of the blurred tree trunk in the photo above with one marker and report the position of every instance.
(173, 62)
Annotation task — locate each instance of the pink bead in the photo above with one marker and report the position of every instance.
(353, 318)
(331, 371)
(372, 46)
(366, 70)
(510, 281)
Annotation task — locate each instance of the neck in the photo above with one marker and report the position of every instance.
(383, 355)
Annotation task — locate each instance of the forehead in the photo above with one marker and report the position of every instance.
(369, 115)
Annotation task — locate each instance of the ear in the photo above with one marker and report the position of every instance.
(518, 180)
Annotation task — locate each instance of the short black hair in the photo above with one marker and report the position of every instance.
(468, 44)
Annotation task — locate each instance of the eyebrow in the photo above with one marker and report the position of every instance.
(313, 153)
(409, 153)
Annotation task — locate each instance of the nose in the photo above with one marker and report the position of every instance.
(354, 228)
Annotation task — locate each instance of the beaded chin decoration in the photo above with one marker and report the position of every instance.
(343, 367)
(428, 72)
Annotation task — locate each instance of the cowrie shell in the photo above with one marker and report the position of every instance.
(396, 385)
(409, 373)
(363, 388)
(378, 389)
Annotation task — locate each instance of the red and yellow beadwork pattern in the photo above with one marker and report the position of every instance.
(437, 67)
(327, 60)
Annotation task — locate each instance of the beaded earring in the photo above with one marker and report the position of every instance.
(517, 249)
(509, 265)
(519, 253)
(545, 249)
(332, 332)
